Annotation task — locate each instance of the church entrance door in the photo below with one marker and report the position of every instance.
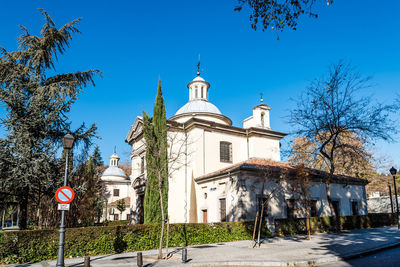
(204, 216)
(140, 209)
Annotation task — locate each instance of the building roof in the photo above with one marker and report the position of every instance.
(257, 164)
(198, 78)
(198, 106)
(114, 171)
(126, 199)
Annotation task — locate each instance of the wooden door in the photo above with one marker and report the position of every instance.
(222, 209)
(204, 216)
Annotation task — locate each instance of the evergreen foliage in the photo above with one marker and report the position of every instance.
(155, 134)
(37, 105)
(120, 205)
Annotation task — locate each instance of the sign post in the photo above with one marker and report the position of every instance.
(64, 195)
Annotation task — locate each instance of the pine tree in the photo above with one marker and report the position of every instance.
(37, 105)
(156, 195)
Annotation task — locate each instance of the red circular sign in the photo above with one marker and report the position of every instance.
(65, 194)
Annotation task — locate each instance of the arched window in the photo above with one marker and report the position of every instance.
(262, 119)
(202, 88)
(196, 93)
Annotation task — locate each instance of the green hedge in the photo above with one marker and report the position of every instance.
(285, 227)
(38, 245)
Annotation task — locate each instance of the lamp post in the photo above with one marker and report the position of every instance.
(393, 172)
(67, 142)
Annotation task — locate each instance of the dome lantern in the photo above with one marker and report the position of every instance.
(113, 172)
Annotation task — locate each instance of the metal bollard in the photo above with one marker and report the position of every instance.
(184, 255)
(86, 262)
(139, 259)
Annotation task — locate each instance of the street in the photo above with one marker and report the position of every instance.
(386, 258)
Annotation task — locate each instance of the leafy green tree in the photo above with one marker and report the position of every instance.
(156, 195)
(120, 205)
(37, 102)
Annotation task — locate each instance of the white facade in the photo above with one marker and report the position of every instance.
(240, 186)
(207, 143)
(117, 186)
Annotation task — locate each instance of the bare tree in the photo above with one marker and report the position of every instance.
(278, 15)
(352, 160)
(270, 181)
(301, 188)
(331, 108)
(177, 154)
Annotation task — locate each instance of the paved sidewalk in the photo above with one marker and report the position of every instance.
(289, 251)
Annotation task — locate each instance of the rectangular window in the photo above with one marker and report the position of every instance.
(142, 165)
(116, 193)
(314, 210)
(290, 208)
(222, 205)
(116, 217)
(225, 153)
(354, 207)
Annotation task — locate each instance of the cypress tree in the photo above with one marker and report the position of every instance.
(155, 134)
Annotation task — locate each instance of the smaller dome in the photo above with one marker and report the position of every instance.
(198, 79)
(198, 106)
(114, 171)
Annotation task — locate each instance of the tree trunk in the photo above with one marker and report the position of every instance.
(260, 224)
(308, 225)
(23, 211)
(333, 213)
(254, 230)
(162, 223)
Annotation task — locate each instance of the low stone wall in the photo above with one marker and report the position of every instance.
(381, 204)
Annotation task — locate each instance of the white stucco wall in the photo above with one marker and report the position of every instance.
(241, 198)
(124, 191)
(266, 148)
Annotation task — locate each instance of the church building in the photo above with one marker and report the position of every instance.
(117, 188)
(215, 168)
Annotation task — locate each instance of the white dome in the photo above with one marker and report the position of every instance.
(114, 171)
(198, 106)
(197, 79)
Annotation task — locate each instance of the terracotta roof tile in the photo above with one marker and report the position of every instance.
(258, 163)
(126, 199)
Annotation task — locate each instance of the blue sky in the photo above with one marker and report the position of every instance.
(135, 42)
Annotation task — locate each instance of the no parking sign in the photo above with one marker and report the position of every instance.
(65, 195)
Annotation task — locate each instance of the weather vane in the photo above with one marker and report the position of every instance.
(115, 149)
(198, 67)
(261, 98)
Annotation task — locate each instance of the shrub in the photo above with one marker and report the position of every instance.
(38, 245)
(297, 226)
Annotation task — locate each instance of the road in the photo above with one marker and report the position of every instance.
(386, 258)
